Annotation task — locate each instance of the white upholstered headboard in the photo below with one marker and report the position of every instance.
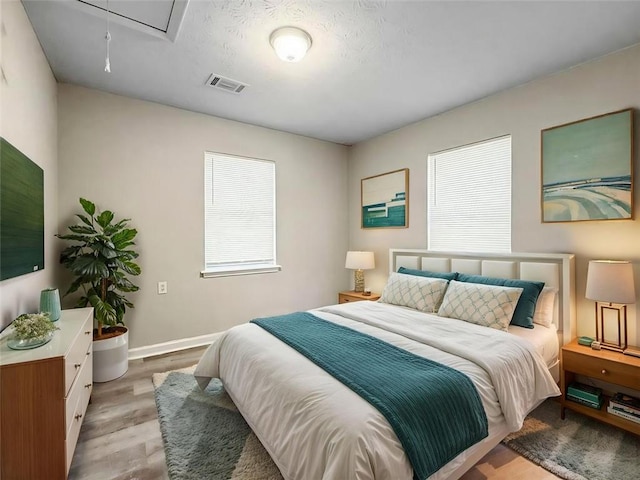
(554, 269)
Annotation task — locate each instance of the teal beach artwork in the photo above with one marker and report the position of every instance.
(385, 200)
(587, 169)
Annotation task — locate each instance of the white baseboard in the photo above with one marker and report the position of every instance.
(172, 346)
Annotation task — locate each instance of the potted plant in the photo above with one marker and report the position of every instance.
(30, 330)
(101, 258)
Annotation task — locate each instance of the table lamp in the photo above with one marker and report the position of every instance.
(610, 282)
(359, 261)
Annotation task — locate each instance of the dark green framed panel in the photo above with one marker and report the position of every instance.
(21, 213)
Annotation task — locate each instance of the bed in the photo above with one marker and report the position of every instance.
(314, 426)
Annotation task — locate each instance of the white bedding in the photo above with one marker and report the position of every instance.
(544, 339)
(314, 427)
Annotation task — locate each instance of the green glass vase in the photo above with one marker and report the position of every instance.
(50, 303)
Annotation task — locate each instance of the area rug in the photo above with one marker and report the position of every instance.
(206, 437)
(577, 448)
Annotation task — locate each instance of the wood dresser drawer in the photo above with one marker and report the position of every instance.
(78, 352)
(76, 407)
(602, 369)
(79, 389)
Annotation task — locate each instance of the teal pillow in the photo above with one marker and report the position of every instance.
(427, 273)
(523, 314)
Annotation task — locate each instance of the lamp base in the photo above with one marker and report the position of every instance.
(632, 351)
(606, 315)
(613, 348)
(359, 281)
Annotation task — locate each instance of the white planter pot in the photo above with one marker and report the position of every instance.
(110, 358)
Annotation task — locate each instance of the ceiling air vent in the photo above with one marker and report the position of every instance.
(226, 84)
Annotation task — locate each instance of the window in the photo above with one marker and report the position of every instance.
(239, 215)
(469, 197)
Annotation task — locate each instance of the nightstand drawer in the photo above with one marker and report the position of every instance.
(601, 369)
(349, 296)
(342, 298)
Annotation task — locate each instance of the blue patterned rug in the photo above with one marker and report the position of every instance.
(206, 437)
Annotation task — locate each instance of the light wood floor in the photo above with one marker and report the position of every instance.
(120, 437)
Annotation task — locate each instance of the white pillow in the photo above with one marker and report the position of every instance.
(419, 293)
(487, 305)
(545, 307)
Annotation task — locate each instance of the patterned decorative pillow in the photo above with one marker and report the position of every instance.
(523, 315)
(419, 293)
(487, 305)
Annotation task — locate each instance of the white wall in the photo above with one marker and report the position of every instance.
(28, 121)
(145, 162)
(608, 84)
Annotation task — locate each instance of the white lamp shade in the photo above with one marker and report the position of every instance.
(290, 44)
(610, 281)
(360, 261)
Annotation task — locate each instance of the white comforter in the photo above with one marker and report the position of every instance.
(314, 427)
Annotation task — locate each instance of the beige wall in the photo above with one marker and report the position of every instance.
(605, 85)
(28, 121)
(145, 162)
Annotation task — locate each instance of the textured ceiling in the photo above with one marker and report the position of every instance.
(374, 65)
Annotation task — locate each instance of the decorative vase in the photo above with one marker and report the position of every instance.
(50, 303)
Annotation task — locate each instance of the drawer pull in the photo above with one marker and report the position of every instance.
(87, 332)
(88, 385)
(77, 365)
(78, 416)
(347, 300)
(604, 372)
(88, 353)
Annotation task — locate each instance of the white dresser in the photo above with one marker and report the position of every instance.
(44, 393)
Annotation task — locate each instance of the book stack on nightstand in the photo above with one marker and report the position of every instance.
(585, 394)
(625, 406)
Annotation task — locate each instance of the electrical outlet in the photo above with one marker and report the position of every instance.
(162, 288)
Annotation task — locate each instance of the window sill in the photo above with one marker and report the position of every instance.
(234, 271)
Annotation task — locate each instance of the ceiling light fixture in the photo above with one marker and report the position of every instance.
(290, 43)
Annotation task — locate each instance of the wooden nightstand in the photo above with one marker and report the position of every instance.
(351, 296)
(605, 365)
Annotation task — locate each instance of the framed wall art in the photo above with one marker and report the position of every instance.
(21, 213)
(587, 169)
(385, 200)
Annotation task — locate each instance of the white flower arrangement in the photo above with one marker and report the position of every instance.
(29, 326)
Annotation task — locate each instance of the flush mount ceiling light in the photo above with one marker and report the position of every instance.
(290, 43)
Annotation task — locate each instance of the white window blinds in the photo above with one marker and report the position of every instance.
(469, 197)
(240, 215)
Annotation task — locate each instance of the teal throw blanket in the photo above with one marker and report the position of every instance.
(434, 410)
